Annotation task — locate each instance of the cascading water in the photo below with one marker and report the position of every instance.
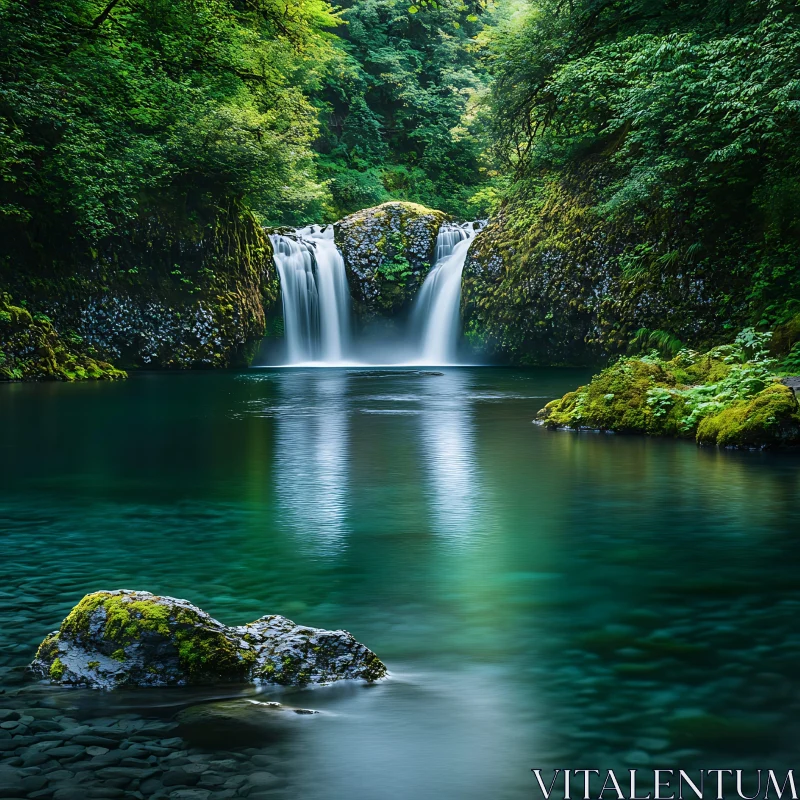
(436, 312)
(315, 295)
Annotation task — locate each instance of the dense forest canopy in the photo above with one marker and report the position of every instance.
(659, 138)
(673, 125)
(401, 118)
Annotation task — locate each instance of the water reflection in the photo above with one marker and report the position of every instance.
(448, 452)
(312, 454)
(541, 598)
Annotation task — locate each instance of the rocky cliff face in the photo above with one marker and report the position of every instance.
(194, 298)
(547, 288)
(388, 250)
(31, 349)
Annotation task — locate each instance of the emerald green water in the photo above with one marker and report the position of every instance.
(542, 599)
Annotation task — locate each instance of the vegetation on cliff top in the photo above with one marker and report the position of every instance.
(655, 155)
(401, 115)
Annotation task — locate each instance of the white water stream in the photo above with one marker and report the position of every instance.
(317, 306)
(436, 316)
(315, 296)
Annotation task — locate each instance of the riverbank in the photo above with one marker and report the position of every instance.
(732, 396)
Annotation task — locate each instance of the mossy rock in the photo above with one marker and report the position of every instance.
(129, 638)
(617, 400)
(550, 281)
(770, 419)
(708, 397)
(388, 250)
(161, 298)
(32, 349)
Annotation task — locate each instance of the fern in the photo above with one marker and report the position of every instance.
(663, 342)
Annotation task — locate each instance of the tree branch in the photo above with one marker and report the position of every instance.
(103, 16)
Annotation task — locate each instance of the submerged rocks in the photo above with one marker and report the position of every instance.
(129, 638)
(388, 250)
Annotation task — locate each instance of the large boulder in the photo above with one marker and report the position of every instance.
(129, 638)
(388, 250)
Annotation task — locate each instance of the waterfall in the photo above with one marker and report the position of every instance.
(436, 312)
(315, 295)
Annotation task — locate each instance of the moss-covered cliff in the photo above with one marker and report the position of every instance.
(388, 250)
(165, 297)
(549, 281)
(31, 349)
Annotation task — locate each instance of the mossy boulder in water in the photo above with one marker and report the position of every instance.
(388, 250)
(770, 419)
(32, 349)
(719, 398)
(129, 638)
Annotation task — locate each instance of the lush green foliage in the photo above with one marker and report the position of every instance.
(666, 132)
(400, 117)
(116, 113)
(728, 396)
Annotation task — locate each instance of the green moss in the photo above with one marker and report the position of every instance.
(93, 664)
(719, 397)
(204, 653)
(785, 336)
(207, 654)
(33, 350)
(57, 670)
(619, 399)
(48, 648)
(769, 418)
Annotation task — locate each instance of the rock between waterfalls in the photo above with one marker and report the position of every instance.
(131, 638)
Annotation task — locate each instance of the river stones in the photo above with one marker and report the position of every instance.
(131, 638)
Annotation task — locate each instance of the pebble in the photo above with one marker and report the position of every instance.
(66, 751)
(95, 741)
(69, 793)
(179, 777)
(637, 757)
(96, 751)
(45, 725)
(33, 783)
(263, 779)
(43, 713)
(106, 792)
(263, 760)
(10, 782)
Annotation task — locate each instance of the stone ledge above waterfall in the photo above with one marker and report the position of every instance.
(388, 250)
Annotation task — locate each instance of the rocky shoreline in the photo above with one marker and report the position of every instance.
(48, 753)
